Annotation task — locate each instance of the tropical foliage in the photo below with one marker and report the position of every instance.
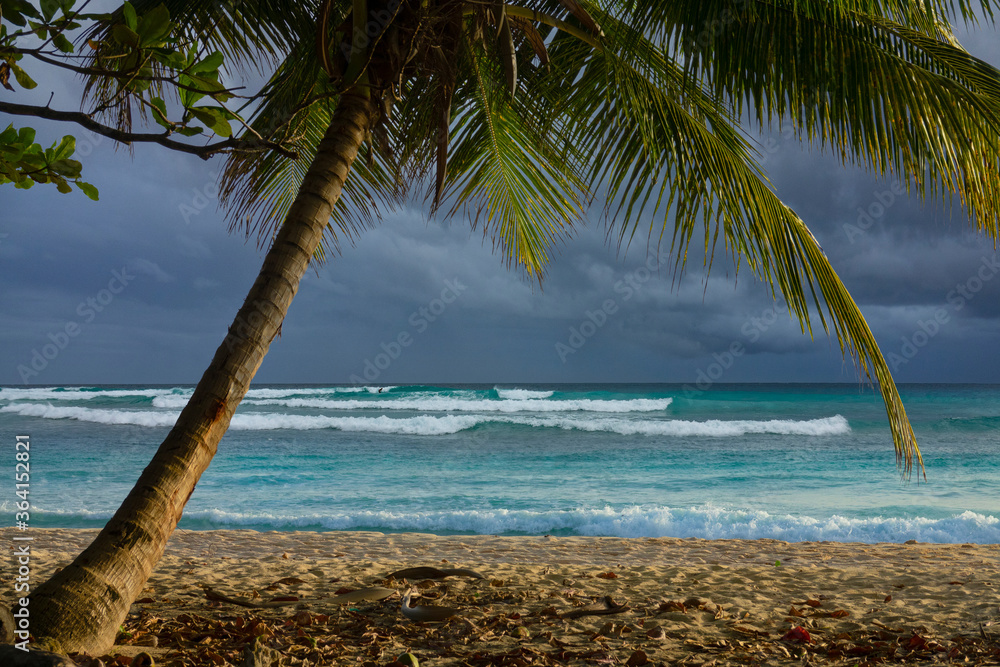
(520, 115)
(137, 62)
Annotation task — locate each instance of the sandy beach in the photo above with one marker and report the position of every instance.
(689, 601)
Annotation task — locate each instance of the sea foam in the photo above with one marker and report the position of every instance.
(521, 394)
(447, 424)
(706, 522)
(451, 404)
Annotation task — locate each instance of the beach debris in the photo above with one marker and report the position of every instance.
(405, 660)
(425, 613)
(672, 606)
(606, 605)
(607, 575)
(637, 659)
(8, 625)
(212, 594)
(371, 594)
(258, 654)
(432, 573)
(287, 581)
(142, 660)
(798, 635)
(609, 629)
(367, 636)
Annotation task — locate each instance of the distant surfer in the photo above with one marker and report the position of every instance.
(380, 389)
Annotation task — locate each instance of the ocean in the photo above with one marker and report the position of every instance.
(795, 462)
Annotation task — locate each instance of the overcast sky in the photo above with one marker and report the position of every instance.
(148, 288)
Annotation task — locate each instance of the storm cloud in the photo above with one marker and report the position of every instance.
(624, 314)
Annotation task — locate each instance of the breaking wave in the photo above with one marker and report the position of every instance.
(447, 424)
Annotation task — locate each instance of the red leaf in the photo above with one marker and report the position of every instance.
(840, 613)
(608, 575)
(814, 603)
(797, 634)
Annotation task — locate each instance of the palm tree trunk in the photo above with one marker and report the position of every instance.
(82, 606)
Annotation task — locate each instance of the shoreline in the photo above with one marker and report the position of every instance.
(524, 549)
(691, 601)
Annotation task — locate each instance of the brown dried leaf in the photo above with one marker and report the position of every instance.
(672, 605)
(288, 581)
(637, 659)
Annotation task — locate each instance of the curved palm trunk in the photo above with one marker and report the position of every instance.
(82, 606)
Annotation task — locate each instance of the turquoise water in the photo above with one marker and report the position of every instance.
(792, 462)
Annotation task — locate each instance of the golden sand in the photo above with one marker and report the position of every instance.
(690, 601)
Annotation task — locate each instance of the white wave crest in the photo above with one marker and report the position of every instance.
(446, 424)
(76, 393)
(706, 522)
(317, 391)
(423, 425)
(170, 401)
(453, 404)
(522, 394)
(836, 425)
(99, 416)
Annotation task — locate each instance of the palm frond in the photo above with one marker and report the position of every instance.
(671, 151)
(879, 94)
(257, 190)
(700, 21)
(257, 33)
(506, 171)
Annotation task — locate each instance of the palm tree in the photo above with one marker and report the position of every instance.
(519, 114)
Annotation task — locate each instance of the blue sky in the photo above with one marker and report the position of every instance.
(141, 286)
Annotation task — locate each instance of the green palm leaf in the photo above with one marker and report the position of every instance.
(510, 173)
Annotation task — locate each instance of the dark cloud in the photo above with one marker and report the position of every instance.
(438, 283)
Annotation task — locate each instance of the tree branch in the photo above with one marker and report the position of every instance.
(204, 152)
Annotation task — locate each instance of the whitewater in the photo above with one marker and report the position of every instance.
(790, 462)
